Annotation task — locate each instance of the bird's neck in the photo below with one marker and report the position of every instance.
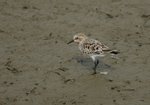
(83, 40)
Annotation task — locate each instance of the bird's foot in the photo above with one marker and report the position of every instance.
(94, 73)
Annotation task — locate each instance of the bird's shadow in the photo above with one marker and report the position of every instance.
(89, 64)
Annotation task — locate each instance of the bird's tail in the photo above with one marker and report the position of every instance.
(115, 52)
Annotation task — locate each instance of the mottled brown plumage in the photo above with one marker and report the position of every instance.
(91, 47)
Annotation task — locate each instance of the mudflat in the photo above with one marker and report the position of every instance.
(37, 67)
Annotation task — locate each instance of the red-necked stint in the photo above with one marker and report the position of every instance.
(92, 48)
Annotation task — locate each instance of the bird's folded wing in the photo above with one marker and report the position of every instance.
(92, 48)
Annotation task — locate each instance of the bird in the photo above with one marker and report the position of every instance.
(91, 47)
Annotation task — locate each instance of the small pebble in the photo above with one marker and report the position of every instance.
(104, 73)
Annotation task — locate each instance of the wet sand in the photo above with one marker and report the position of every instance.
(39, 68)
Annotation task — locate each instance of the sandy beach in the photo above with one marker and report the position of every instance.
(37, 67)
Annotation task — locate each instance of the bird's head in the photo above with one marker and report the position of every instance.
(78, 38)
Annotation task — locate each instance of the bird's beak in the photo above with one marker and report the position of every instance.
(70, 41)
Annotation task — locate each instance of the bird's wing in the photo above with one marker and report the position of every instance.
(92, 47)
(104, 47)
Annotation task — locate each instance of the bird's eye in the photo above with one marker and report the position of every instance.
(76, 38)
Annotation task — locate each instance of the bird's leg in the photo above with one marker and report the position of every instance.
(96, 62)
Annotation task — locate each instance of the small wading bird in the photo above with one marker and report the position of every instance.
(92, 48)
